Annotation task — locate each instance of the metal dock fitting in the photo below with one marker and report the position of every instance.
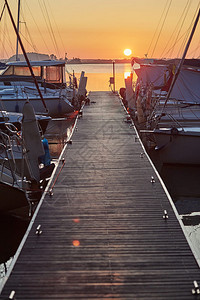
(38, 231)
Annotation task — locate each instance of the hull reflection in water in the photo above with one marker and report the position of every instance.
(58, 132)
(182, 182)
(12, 230)
(180, 146)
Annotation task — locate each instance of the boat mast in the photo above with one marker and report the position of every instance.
(17, 44)
(26, 57)
(182, 60)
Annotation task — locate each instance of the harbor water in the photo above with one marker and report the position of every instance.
(99, 75)
(182, 181)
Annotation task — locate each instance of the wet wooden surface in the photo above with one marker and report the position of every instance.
(103, 232)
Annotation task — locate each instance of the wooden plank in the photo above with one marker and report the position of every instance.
(104, 198)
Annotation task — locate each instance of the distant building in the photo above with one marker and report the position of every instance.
(74, 60)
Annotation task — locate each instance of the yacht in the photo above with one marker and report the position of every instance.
(17, 85)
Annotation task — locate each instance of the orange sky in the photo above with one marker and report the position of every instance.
(101, 29)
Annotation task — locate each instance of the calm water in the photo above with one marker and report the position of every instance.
(182, 182)
(99, 75)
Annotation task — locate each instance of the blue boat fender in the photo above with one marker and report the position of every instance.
(46, 158)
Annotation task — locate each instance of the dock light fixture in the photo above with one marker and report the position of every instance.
(195, 290)
(50, 193)
(80, 114)
(38, 231)
(165, 216)
(76, 243)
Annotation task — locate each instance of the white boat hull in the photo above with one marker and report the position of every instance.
(178, 148)
(55, 106)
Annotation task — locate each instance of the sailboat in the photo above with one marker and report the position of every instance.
(42, 82)
(171, 123)
(20, 174)
(17, 84)
(14, 120)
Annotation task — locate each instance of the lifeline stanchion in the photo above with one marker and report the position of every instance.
(51, 189)
(80, 113)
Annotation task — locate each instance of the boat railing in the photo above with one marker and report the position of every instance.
(176, 122)
(158, 115)
(15, 148)
(18, 147)
(7, 157)
(15, 138)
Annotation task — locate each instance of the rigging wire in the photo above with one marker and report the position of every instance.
(161, 27)
(2, 16)
(27, 35)
(2, 12)
(185, 40)
(38, 29)
(188, 32)
(157, 28)
(195, 50)
(6, 37)
(173, 34)
(182, 60)
(49, 26)
(30, 38)
(29, 43)
(56, 25)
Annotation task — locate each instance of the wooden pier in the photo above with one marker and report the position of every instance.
(104, 232)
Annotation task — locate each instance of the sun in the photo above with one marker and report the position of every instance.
(127, 52)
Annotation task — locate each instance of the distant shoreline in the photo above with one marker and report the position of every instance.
(98, 61)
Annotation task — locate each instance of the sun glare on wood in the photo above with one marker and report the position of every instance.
(76, 220)
(127, 52)
(76, 243)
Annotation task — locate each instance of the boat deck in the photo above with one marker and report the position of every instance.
(103, 232)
